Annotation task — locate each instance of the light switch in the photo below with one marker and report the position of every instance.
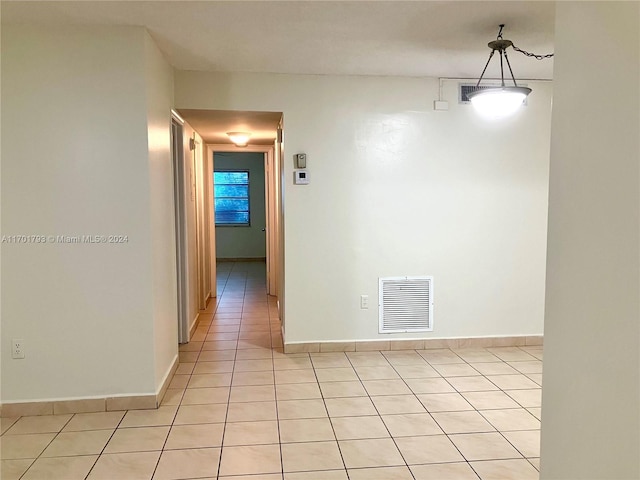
(301, 160)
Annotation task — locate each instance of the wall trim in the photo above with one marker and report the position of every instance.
(167, 380)
(142, 402)
(413, 344)
(194, 325)
(90, 404)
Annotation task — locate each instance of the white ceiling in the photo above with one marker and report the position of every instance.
(414, 38)
(398, 38)
(213, 125)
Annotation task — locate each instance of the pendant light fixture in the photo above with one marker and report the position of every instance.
(498, 102)
(241, 139)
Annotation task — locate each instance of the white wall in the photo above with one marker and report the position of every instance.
(159, 94)
(244, 242)
(76, 160)
(590, 406)
(399, 189)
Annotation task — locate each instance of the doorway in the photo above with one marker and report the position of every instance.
(240, 206)
(257, 238)
(203, 132)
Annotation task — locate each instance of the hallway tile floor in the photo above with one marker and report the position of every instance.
(239, 408)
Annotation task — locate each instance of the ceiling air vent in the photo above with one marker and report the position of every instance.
(464, 89)
(406, 304)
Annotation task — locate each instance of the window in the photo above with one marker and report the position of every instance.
(231, 191)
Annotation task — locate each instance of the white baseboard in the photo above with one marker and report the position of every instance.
(412, 344)
(140, 401)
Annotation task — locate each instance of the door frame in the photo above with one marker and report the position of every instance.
(180, 189)
(199, 169)
(272, 235)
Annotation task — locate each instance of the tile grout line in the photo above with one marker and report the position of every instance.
(423, 405)
(467, 461)
(501, 433)
(324, 402)
(187, 386)
(105, 445)
(474, 409)
(275, 390)
(275, 395)
(406, 464)
(45, 448)
(226, 417)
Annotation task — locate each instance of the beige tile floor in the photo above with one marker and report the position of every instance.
(238, 408)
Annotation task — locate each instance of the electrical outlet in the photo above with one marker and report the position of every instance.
(364, 302)
(17, 348)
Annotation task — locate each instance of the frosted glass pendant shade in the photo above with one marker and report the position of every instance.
(241, 139)
(498, 102)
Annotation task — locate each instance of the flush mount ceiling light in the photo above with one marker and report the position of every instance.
(241, 139)
(497, 102)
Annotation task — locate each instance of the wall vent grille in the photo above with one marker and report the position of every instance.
(406, 304)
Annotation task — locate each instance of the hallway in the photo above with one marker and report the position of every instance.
(239, 408)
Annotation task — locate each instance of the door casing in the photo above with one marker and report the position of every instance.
(271, 203)
(180, 191)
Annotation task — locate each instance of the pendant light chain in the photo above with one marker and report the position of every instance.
(524, 52)
(533, 55)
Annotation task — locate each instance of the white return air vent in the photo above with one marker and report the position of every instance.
(406, 304)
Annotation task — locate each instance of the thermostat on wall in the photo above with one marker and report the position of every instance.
(300, 177)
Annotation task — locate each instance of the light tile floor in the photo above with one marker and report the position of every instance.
(239, 408)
